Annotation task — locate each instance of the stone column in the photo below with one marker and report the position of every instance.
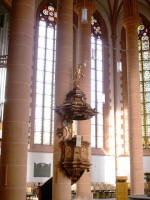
(84, 56)
(16, 114)
(131, 21)
(64, 71)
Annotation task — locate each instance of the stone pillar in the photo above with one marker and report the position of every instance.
(16, 114)
(84, 56)
(64, 74)
(131, 21)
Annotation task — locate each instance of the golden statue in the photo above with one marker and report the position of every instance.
(78, 73)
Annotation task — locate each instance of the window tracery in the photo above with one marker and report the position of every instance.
(45, 76)
(144, 68)
(97, 96)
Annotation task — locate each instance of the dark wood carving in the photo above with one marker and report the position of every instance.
(75, 107)
(74, 159)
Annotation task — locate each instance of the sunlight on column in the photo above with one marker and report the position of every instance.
(126, 131)
(119, 131)
(111, 133)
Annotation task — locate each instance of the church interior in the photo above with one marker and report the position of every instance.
(74, 99)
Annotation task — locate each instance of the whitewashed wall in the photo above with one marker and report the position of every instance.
(102, 170)
(124, 166)
(103, 167)
(38, 158)
(146, 163)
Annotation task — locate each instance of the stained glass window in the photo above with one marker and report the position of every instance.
(49, 14)
(3, 72)
(45, 76)
(4, 29)
(96, 29)
(97, 96)
(144, 68)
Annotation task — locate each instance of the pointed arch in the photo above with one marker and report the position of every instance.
(42, 128)
(144, 69)
(99, 82)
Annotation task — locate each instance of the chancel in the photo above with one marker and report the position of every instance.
(74, 99)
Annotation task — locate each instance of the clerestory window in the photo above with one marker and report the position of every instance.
(144, 68)
(97, 96)
(44, 90)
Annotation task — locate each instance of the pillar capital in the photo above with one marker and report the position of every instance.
(131, 21)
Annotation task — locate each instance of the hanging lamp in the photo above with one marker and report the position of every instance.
(84, 16)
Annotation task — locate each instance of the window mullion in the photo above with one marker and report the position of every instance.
(143, 93)
(43, 106)
(96, 90)
(44, 85)
(53, 67)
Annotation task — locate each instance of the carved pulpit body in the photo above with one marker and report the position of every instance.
(74, 159)
(74, 151)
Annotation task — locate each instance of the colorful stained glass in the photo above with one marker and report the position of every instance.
(143, 32)
(49, 14)
(146, 75)
(145, 44)
(145, 55)
(148, 129)
(45, 77)
(95, 26)
(144, 67)
(146, 64)
(147, 96)
(147, 86)
(147, 107)
(148, 119)
(96, 84)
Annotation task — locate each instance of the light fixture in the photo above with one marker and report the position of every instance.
(84, 17)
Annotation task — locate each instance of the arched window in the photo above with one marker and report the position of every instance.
(44, 90)
(4, 29)
(97, 96)
(144, 68)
